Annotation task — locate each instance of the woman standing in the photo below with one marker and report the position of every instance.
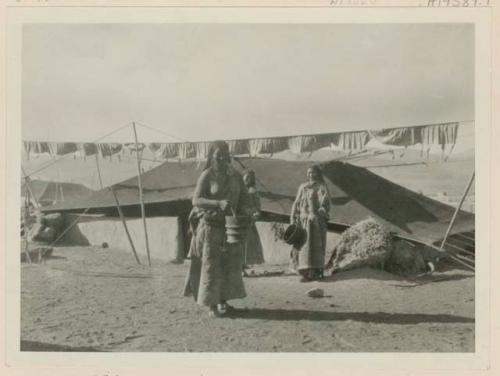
(215, 273)
(253, 248)
(310, 211)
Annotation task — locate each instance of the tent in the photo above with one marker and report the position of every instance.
(50, 192)
(356, 194)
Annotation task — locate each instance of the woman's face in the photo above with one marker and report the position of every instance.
(312, 175)
(219, 160)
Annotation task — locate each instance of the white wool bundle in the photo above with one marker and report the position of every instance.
(366, 243)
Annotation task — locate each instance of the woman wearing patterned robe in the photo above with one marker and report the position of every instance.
(215, 273)
(311, 212)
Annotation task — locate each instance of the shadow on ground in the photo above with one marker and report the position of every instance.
(40, 346)
(368, 317)
(381, 275)
(424, 280)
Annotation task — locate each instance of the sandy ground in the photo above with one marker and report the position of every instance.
(97, 299)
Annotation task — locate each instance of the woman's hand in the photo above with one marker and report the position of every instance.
(224, 204)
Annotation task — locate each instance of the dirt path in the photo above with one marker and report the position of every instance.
(91, 298)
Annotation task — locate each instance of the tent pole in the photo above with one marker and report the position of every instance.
(122, 217)
(28, 187)
(452, 222)
(141, 198)
(98, 170)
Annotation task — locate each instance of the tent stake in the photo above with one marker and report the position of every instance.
(141, 198)
(452, 223)
(122, 217)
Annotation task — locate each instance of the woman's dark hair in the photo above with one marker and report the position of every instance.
(317, 170)
(223, 147)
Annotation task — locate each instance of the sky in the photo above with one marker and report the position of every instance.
(224, 81)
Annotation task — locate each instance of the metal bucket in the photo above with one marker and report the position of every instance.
(237, 228)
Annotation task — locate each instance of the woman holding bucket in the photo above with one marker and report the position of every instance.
(215, 273)
(310, 213)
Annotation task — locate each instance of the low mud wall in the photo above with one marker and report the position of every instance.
(167, 237)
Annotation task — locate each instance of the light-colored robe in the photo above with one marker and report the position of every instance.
(310, 211)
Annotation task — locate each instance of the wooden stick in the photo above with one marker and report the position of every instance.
(460, 262)
(457, 240)
(447, 254)
(452, 222)
(141, 198)
(122, 217)
(98, 170)
(460, 249)
(465, 237)
(464, 258)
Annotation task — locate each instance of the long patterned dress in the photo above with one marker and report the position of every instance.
(310, 210)
(254, 253)
(215, 273)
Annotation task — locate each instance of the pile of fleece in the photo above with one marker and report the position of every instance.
(365, 244)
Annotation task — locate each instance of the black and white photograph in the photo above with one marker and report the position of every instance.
(247, 187)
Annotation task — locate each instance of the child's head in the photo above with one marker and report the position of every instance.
(249, 178)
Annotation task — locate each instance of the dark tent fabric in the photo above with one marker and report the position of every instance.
(47, 192)
(356, 194)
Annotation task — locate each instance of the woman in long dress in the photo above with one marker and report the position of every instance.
(254, 253)
(311, 212)
(215, 273)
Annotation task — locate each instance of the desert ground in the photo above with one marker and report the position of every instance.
(99, 299)
(95, 299)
